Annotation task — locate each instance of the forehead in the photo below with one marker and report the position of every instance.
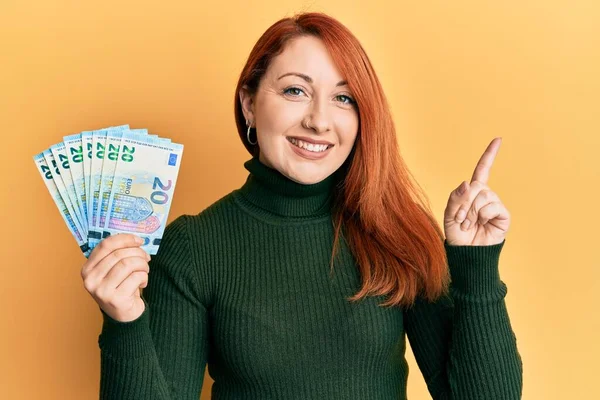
(307, 55)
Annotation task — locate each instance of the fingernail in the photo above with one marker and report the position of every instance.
(139, 240)
(466, 225)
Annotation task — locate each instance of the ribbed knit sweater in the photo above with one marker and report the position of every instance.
(245, 288)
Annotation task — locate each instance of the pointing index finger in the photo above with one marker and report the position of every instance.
(482, 170)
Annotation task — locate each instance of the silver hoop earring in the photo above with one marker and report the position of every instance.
(248, 134)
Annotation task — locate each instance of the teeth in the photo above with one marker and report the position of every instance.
(316, 148)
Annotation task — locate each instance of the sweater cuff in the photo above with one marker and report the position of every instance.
(474, 269)
(130, 339)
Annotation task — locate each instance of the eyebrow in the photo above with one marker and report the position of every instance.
(308, 78)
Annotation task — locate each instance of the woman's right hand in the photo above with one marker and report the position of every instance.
(114, 273)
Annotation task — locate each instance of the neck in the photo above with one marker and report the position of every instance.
(278, 196)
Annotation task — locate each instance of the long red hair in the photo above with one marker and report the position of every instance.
(379, 208)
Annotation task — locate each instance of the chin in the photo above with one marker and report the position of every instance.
(309, 178)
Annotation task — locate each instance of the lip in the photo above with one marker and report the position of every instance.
(309, 154)
(309, 140)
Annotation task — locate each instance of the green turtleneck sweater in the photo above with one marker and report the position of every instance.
(245, 287)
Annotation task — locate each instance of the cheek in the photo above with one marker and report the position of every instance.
(277, 116)
(347, 126)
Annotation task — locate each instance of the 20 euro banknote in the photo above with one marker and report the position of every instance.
(142, 188)
(109, 165)
(96, 161)
(62, 163)
(46, 172)
(74, 152)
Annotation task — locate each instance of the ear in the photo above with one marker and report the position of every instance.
(247, 101)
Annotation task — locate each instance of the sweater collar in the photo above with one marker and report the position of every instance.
(276, 194)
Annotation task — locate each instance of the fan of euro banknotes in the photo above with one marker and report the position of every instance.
(112, 180)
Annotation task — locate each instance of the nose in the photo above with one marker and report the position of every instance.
(317, 118)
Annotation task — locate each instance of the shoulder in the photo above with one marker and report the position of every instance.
(193, 226)
(211, 217)
(211, 229)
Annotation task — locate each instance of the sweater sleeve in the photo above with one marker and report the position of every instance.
(463, 343)
(161, 354)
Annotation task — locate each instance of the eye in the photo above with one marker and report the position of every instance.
(292, 88)
(350, 99)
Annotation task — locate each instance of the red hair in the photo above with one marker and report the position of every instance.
(379, 208)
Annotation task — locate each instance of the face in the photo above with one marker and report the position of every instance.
(303, 95)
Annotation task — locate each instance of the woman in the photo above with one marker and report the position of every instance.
(302, 283)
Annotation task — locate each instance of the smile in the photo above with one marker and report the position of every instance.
(309, 150)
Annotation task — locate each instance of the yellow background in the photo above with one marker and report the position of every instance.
(457, 74)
